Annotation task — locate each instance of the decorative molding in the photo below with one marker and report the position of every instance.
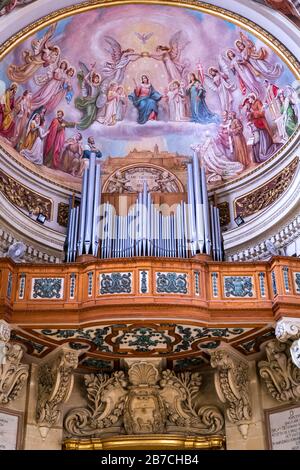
(297, 282)
(274, 283)
(116, 283)
(287, 328)
(267, 194)
(262, 284)
(144, 282)
(22, 285)
(5, 330)
(55, 384)
(24, 197)
(281, 376)
(130, 179)
(63, 214)
(224, 209)
(13, 374)
(171, 283)
(32, 253)
(215, 287)
(238, 286)
(295, 353)
(232, 386)
(286, 281)
(197, 282)
(137, 339)
(47, 288)
(143, 402)
(9, 285)
(259, 250)
(72, 286)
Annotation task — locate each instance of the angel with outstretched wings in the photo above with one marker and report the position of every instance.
(257, 58)
(220, 81)
(90, 85)
(171, 56)
(42, 54)
(245, 78)
(115, 69)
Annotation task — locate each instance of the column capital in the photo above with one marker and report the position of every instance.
(287, 328)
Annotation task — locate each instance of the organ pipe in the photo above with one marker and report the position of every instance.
(144, 231)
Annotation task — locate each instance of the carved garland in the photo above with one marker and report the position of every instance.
(23, 197)
(264, 196)
(142, 403)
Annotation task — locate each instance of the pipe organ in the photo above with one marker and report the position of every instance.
(146, 229)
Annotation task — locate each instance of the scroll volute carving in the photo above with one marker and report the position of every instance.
(281, 376)
(232, 386)
(55, 384)
(13, 374)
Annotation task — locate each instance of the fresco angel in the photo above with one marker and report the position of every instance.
(115, 69)
(221, 83)
(170, 55)
(257, 59)
(245, 76)
(90, 83)
(42, 54)
(53, 88)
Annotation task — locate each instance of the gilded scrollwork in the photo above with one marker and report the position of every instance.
(143, 402)
(23, 197)
(63, 214)
(264, 196)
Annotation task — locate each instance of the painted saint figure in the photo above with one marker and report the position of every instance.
(264, 148)
(22, 113)
(35, 153)
(200, 111)
(55, 140)
(288, 113)
(145, 99)
(7, 106)
(71, 160)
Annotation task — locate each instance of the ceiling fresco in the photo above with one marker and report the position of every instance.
(143, 82)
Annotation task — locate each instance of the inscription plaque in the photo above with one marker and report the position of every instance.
(10, 429)
(283, 425)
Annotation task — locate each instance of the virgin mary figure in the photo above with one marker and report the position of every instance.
(200, 111)
(145, 98)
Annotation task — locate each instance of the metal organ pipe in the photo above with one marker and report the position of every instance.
(198, 202)
(96, 211)
(206, 214)
(82, 211)
(144, 230)
(90, 205)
